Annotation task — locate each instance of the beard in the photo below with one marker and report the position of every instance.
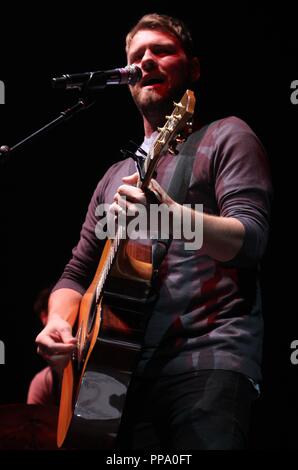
(155, 104)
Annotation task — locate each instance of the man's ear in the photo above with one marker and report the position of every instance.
(195, 70)
(43, 317)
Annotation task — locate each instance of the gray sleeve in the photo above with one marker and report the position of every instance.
(243, 186)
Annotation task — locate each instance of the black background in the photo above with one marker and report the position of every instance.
(249, 57)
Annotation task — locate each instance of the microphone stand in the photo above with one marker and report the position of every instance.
(83, 103)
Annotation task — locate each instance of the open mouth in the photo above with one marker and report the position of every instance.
(150, 81)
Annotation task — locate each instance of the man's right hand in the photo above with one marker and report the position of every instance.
(55, 342)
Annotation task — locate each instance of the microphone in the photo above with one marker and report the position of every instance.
(130, 75)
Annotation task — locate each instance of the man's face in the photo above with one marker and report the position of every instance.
(166, 70)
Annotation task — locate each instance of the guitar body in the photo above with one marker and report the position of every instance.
(110, 335)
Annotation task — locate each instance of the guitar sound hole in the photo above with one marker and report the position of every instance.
(92, 314)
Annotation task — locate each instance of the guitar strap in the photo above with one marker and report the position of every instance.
(178, 186)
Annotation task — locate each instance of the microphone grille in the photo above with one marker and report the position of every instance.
(134, 74)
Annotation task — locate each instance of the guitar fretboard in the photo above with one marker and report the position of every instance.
(109, 261)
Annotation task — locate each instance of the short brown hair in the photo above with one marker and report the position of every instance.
(166, 23)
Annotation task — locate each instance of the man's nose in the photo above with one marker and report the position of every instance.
(149, 61)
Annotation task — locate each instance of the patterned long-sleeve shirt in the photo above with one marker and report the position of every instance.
(208, 313)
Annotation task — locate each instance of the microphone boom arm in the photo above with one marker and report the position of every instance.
(87, 83)
(82, 104)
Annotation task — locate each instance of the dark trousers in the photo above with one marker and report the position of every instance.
(208, 409)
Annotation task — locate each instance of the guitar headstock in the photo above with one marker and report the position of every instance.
(181, 114)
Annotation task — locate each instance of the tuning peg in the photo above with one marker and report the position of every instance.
(160, 129)
(161, 141)
(179, 105)
(168, 117)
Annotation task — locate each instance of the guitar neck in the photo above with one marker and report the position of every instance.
(109, 261)
(181, 114)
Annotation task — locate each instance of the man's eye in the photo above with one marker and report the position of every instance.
(135, 58)
(164, 50)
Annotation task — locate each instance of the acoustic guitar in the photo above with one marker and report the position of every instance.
(111, 323)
